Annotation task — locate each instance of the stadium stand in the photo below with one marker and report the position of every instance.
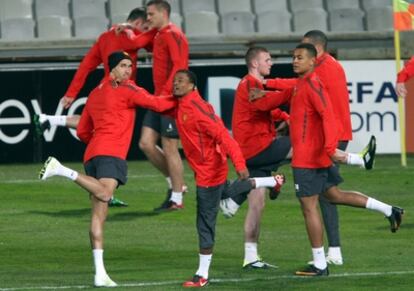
(346, 19)
(274, 21)
(175, 6)
(201, 23)
(176, 19)
(14, 9)
(90, 26)
(368, 4)
(85, 8)
(379, 18)
(341, 4)
(230, 6)
(17, 29)
(311, 18)
(296, 5)
(190, 6)
(238, 23)
(54, 27)
(46, 8)
(261, 6)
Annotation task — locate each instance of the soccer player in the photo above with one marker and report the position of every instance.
(313, 133)
(333, 78)
(107, 43)
(206, 143)
(403, 76)
(106, 126)
(254, 130)
(170, 54)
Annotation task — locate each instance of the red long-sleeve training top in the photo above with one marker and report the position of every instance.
(407, 72)
(332, 75)
(170, 54)
(108, 119)
(252, 125)
(206, 141)
(313, 130)
(107, 43)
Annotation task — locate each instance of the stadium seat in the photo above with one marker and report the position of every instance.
(346, 19)
(230, 6)
(274, 22)
(380, 19)
(13, 9)
(309, 19)
(118, 19)
(51, 7)
(261, 6)
(86, 8)
(90, 26)
(368, 4)
(342, 4)
(238, 23)
(17, 29)
(176, 19)
(54, 27)
(190, 6)
(175, 6)
(296, 5)
(119, 8)
(201, 23)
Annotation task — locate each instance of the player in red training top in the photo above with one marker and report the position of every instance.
(313, 133)
(333, 77)
(170, 53)
(403, 76)
(106, 126)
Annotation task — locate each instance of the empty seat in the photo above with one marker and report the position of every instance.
(54, 27)
(274, 22)
(342, 4)
(238, 23)
(51, 7)
(12, 9)
(296, 5)
(229, 6)
(201, 23)
(346, 19)
(310, 19)
(175, 6)
(119, 19)
(368, 4)
(380, 19)
(190, 6)
(176, 19)
(261, 6)
(90, 26)
(17, 29)
(82, 8)
(119, 8)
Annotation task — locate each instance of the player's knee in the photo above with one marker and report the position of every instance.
(144, 145)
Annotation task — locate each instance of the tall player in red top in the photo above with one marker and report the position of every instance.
(333, 78)
(106, 126)
(313, 133)
(170, 54)
(403, 76)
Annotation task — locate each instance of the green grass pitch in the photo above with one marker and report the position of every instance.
(44, 241)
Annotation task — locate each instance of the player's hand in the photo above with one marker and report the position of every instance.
(339, 156)
(256, 93)
(67, 101)
(243, 174)
(401, 90)
(120, 27)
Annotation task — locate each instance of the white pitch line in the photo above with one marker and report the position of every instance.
(222, 280)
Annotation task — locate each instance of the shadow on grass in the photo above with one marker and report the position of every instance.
(64, 213)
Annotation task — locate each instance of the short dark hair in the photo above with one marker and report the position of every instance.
(310, 48)
(190, 74)
(161, 4)
(137, 13)
(253, 52)
(317, 37)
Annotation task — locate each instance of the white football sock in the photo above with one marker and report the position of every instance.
(98, 262)
(382, 207)
(177, 197)
(250, 252)
(169, 182)
(354, 159)
(59, 120)
(204, 265)
(319, 260)
(265, 182)
(335, 252)
(66, 172)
